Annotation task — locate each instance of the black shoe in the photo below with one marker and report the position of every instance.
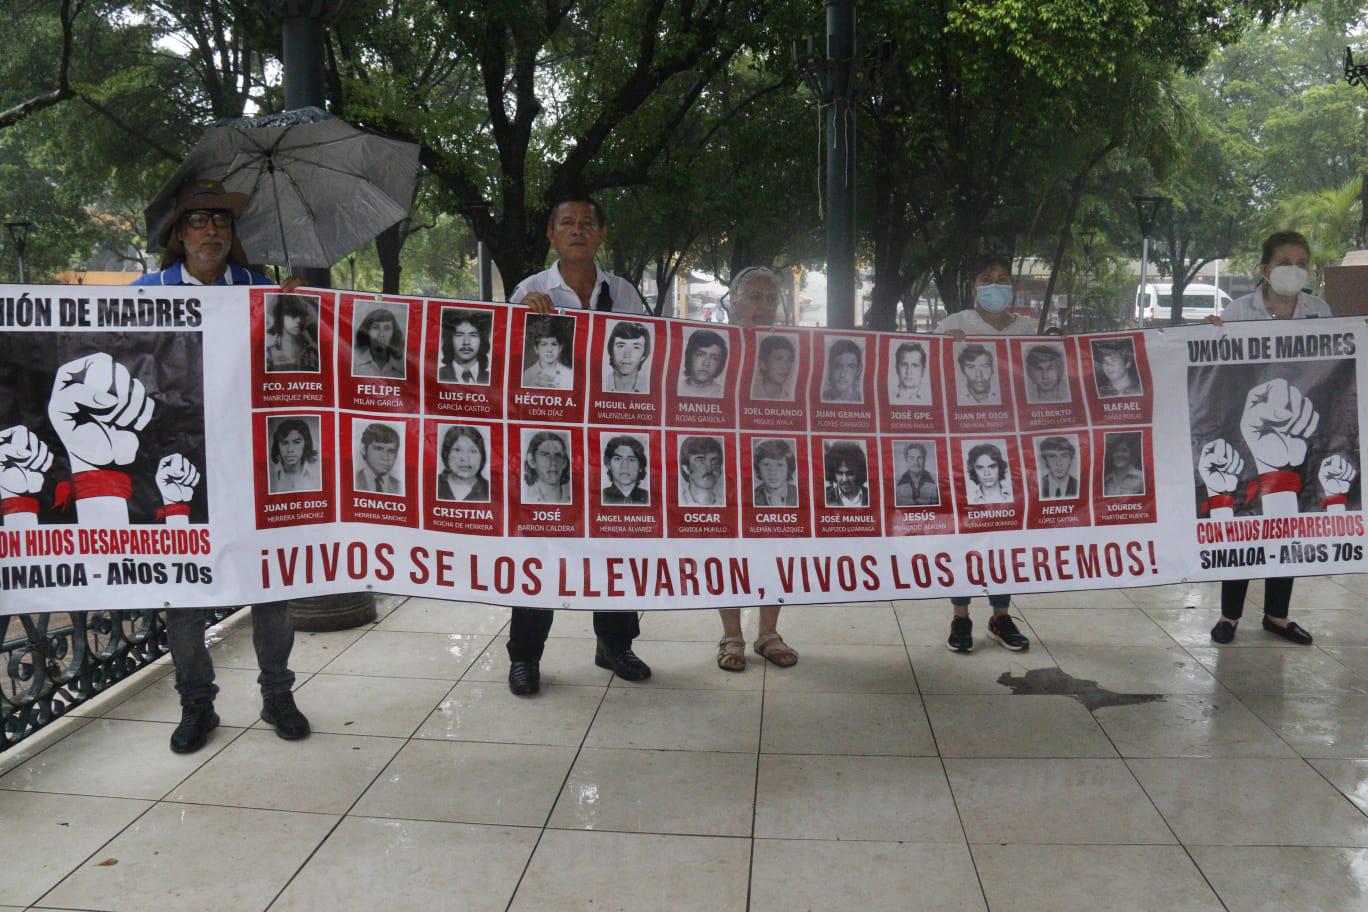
(961, 635)
(280, 711)
(524, 678)
(197, 721)
(1223, 632)
(622, 662)
(1291, 632)
(1004, 630)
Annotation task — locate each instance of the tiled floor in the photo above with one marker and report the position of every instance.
(1124, 762)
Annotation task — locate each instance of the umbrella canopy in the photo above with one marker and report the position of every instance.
(319, 188)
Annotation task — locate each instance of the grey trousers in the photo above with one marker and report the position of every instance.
(272, 635)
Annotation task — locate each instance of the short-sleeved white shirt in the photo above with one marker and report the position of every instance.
(971, 323)
(550, 282)
(1253, 307)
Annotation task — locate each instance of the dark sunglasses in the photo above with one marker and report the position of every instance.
(200, 219)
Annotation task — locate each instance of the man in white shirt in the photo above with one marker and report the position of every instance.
(576, 229)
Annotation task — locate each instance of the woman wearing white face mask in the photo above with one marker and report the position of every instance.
(1283, 270)
(990, 316)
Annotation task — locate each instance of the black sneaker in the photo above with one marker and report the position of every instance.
(622, 662)
(1223, 633)
(197, 721)
(524, 678)
(961, 635)
(1291, 632)
(280, 710)
(1004, 630)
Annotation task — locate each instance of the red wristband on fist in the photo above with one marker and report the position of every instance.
(1274, 483)
(12, 505)
(176, 509)
(95, 483)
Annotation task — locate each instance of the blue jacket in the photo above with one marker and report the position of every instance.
(234, 275)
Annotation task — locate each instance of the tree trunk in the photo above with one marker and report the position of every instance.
(388, 245)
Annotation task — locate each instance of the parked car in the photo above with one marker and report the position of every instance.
(1199, 302)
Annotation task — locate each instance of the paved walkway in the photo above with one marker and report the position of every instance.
(1123, 763)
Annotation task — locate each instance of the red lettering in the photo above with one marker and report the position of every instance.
(615, 576)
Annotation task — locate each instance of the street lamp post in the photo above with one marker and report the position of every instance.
(1357, 74)
(838, 79)
(19, 232)
(1147, 212)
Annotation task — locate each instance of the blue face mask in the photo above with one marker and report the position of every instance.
(994, 298)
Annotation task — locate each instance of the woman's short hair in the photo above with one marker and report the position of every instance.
(1282, 239)
(530, 470)
(454, 434)
(631, 443)
(285, 427)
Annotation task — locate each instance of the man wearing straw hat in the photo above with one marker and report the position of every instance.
(201, 248)
(200, 241)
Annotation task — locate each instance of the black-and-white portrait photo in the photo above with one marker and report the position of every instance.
(976, 374)
(378, 348)
(1057, 466)
(294, 462)
(1123, 465)
(291, 334)
(845, 473)
(378, 457)
(626, 471)
(1114, 369)
(987, 475)
(909, 382)
(627, 357)
(463, 463)
(774, 470)
(915, 483)
(776, 367)
(546, 469)
(549, 352)
(843, 370)
(702, 472)
(465, 346)
(704, 364)
(1047, 374)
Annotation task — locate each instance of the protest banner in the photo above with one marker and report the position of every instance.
(190, 446)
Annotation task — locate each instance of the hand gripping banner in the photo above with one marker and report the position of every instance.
(189, 446)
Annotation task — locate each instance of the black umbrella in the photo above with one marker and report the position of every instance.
(319, 188)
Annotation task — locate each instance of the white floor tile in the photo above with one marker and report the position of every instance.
(422, 615)
(488, 711)
(644, 791)
(859, 876)
(1190, 726)
(1059, 878)
(700, 720)
(1277, 879)
(185, 856)
(972, 725)
(357, 705)
(369, 864)
(846, 723)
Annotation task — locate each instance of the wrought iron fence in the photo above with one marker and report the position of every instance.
(53, 662)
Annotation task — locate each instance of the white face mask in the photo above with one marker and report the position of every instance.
(1287, 280)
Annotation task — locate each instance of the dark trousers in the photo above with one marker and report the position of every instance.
(1277, 597)
(530, 627)
(998, 602)
(272, 636)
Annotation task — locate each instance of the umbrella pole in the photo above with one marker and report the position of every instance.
(280, 221)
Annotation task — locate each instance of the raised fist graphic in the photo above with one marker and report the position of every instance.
(1336, 474)
(1277, 421)
(1220, 465)
(176, 479)
(97, 408)
(23, 460)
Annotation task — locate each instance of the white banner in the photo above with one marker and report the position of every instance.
(188, 446)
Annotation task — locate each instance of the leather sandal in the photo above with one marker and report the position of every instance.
(731, 653)
(772, 647)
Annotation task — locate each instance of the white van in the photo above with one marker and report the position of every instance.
(1199, 302)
